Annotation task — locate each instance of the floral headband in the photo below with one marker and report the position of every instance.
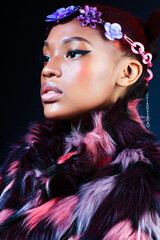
(90, 16)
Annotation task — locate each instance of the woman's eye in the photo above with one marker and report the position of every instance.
(76, 53)
(45, 59)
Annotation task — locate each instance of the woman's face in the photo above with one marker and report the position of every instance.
(79, 73)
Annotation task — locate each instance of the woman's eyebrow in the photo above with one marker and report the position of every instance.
(67, 40)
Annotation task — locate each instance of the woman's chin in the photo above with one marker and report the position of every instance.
(56, 115)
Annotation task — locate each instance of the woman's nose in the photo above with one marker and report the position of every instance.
(52, 69)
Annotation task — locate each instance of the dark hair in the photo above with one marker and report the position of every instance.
(146, 32)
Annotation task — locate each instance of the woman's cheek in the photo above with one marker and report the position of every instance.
(85, 73)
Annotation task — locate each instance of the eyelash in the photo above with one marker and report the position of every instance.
(70, 54)
(44, 59)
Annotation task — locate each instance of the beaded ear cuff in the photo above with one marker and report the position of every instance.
(90, 16)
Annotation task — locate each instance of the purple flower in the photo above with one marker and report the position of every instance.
(61, 13)
(89, 15)
(113, 31)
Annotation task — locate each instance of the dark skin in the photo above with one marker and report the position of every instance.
(91, 72)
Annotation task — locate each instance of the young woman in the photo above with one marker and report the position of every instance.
(91, 170)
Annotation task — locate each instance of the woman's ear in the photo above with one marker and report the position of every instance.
(131, 70)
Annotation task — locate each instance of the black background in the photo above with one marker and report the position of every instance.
(22, 40)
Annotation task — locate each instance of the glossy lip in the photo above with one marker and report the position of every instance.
(50, 97)
(49, 86)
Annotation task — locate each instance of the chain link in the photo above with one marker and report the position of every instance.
(147, 111)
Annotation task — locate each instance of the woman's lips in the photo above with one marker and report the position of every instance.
(50, 92)
(50, 97)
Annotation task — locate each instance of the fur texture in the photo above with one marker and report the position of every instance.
(99, 184)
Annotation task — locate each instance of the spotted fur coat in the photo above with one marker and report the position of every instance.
(102, 183)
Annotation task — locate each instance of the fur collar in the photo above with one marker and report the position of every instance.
(59, 183)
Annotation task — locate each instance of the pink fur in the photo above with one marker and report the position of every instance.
(63, 158)
(92, 194)
(62, 213)
(128, 156)
(35, 214)
(87, 212)
(13, 168)
(4, 214)
(55, 211)
(32, 203)
(63, 210)
(31, 137)
(99, 137)
(124, 231)
(7, 188)
(74, 238)
(95, 140)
